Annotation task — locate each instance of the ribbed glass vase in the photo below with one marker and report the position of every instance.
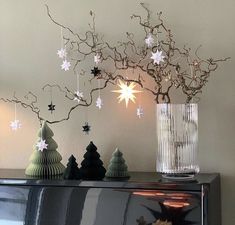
(177, 135)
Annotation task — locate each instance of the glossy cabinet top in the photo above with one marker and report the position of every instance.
(144, 180)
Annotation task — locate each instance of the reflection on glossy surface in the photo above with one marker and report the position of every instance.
(58, 205)
(13, 203)
(7, 222)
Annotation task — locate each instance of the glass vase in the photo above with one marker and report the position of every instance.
(177, 135)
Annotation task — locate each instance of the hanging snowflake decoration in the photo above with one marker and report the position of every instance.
(62, 53)
(97, 58)
(15, 125)
(99, 102)
(78, 96)
(157, 57)
(65, 65)
(140, 112)
(41, 145)
(149, 40)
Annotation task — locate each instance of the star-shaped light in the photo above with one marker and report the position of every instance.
(149, 40)
(41, 145)
(51, 107)
(65, 65)
(157, 57)
(97, 58)
(96, 71)
(99, 102)
(140, 112)
(62, 53)
(86, 128)
(15, 125)
(78, 96)
(126, 92)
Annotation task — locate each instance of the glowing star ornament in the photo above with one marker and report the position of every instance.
(78, 96)
(99, 102)
(149, 40)
(41, 145)
(65, 65)
(157, 57)
(126, 92)
(140, 112)
(97, 59)
(62, 53)
(15, 125)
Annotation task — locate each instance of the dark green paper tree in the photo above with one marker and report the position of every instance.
(46, 163)
(92, 166)
(117, 167)
(72, 171)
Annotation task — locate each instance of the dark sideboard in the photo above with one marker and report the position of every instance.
(145, 199)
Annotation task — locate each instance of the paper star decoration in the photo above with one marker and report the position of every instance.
(51, 107)
(140, 112)
(149, 40)
(15, 125)
(62, 53)
(99, 102)
(126, 92)
(65, 65)
(95, 71)
(86, 128)
(41, 145)
(157, 57)
(97, 59)
(78, 96)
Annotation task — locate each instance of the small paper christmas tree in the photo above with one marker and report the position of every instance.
(72, 171)
(92, 167)
(45, 160)
(117, 167)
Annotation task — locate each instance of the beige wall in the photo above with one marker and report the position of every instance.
(28, 44)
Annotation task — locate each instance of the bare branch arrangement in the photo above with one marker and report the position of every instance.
(158, 60)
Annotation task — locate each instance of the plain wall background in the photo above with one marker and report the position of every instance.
(28, 60)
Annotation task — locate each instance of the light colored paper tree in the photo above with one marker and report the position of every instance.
(45, 160)
(117, 167)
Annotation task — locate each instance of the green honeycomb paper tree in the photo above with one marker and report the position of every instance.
(72, 171)
(117, 167)
(45, 163)
(92, 166)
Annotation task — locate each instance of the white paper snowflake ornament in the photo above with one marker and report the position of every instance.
(97, 58)
(157, 57)
(15, 125)
(78, 96)
(41, 145)
(140, 112)
(99, 102)
(62, 53)
(149, 40)
(65, 65)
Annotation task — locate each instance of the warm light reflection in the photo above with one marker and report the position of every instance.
(126, 92)
(175, 204)
(148, 193)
